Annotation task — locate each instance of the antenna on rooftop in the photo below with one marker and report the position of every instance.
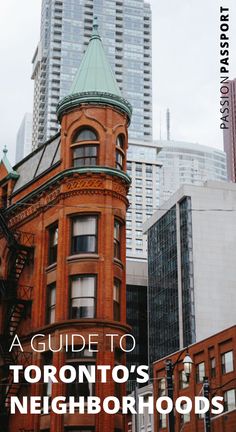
(168, 124)
(160, 125)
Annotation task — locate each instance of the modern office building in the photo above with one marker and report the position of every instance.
(24, 137)
(66, 26)
(63, 269)
(144, 168)
(188, 163)
(137, 314)
(229, 134)
(191, 266)
(214, 358)
(157, 170)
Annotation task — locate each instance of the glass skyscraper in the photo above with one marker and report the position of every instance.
(125, 27)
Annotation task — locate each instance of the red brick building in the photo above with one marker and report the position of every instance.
(63, 249)
(214, 358)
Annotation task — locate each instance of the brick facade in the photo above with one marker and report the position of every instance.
(210, 353)
(55, 197)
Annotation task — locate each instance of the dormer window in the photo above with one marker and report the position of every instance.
(85, 148)
(120, 155)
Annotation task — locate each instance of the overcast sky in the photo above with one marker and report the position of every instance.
(186, 74)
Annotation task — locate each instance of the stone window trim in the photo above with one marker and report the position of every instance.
(85, 147)
(83, 295)
(84, 234)
(120, 152)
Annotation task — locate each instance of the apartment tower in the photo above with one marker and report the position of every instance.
(125, 27)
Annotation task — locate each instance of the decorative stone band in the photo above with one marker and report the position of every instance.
(99, 98)
(72, 181)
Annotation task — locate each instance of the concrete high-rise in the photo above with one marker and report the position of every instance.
(188, 163)
(24, 137)
(229, 134)
(191, 266)
(144, 168)
(65, 30)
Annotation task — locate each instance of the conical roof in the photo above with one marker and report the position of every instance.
(95, 73)
(10, 171)
(94, 81)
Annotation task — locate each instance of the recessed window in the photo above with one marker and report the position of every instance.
(227, 362)
(84, 234)
(138, 216)
(119, 160)
(117, 239)
(85, 155)
(230, 400)
(162, 421)
(86, 152)
(83, 293)
(138, 170)
(47, 358)
(51, 303)
(116, 299)
(129, 166)
(53, 242)
(185, 418)
(161, 387)
(120, 152)
(200, 372)
(81, 389)
(120, 142)
(213, 367)
(183, 382)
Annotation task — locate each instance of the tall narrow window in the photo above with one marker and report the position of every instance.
(161, 387)
(120, 155)
(53, 242)
(84, 234)
(227, 362)
(185, 418)
(162, 421)
(213, 367)
(83, 294)
(85, 148)
(200, 372)
(51, 303)
(117, 239)
(85, 388)
(230, 400)
(47, 358)
(116, 299)
(183, 381)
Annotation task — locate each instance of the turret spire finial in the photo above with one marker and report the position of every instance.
(5, 150)
(95, 26)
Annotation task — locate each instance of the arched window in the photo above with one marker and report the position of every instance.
(85, 135)
(120, 155)
(85, 148)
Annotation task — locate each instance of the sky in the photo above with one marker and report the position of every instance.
(186, 77)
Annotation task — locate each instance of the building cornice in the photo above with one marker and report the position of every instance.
(93, 97)
(68, 183)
